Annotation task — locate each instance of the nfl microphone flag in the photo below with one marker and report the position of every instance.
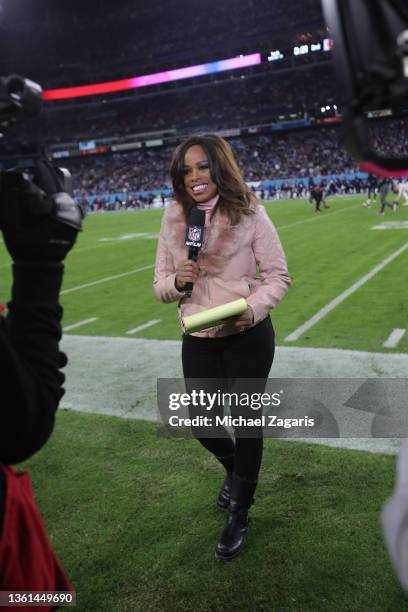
(194, 239)
(194, 236)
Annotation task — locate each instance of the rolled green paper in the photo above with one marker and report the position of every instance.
(213, 316)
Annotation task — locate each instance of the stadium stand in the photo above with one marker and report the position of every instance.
(245, 105)
(280, 161)
(238, 101)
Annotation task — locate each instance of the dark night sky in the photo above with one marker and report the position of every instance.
(52, 40)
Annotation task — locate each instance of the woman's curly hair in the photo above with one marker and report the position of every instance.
(236, 199)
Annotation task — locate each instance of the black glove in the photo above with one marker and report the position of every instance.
(39, 219)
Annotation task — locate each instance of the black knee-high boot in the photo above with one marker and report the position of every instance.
(224, 494)
(232, 538)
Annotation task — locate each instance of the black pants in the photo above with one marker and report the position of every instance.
(384, 191)
(317, 196)
(372, 193)
(225, 362)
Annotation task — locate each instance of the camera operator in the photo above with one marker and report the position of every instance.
(371, 57)
(39, 221)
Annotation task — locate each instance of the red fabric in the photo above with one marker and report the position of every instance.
(27, 561)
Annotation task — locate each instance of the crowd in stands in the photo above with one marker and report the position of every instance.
(290, 155)
(390, 138)
(237, 102)
(293, 154)
(261, 157)
(141, 170)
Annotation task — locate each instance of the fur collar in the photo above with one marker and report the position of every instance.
(221, 239)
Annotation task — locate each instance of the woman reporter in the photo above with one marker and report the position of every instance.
(241, 257)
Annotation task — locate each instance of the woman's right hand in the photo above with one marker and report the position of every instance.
(187, 272)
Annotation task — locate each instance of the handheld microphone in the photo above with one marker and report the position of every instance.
(194, 239)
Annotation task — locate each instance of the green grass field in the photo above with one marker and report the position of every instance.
(327, 254)
(131, 514)
(132, 517)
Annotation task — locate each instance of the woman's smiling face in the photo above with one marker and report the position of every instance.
(197, 176)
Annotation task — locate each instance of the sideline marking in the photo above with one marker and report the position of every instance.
(107, 279)
(144, 326)
(79, 324)
(132, 366)
(394, 337)
(343, 296)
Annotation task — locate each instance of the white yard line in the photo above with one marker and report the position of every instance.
(89, 248)
(106, 279)
(114, 241)
(394, 338)
(343, 296)
(79, 324)
(144, 326)
(315, 218)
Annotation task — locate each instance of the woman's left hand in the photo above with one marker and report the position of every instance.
(246, 319)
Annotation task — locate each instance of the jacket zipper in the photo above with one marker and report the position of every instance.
(208, 289)
(206, 274)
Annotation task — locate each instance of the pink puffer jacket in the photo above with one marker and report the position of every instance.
(228, 265)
